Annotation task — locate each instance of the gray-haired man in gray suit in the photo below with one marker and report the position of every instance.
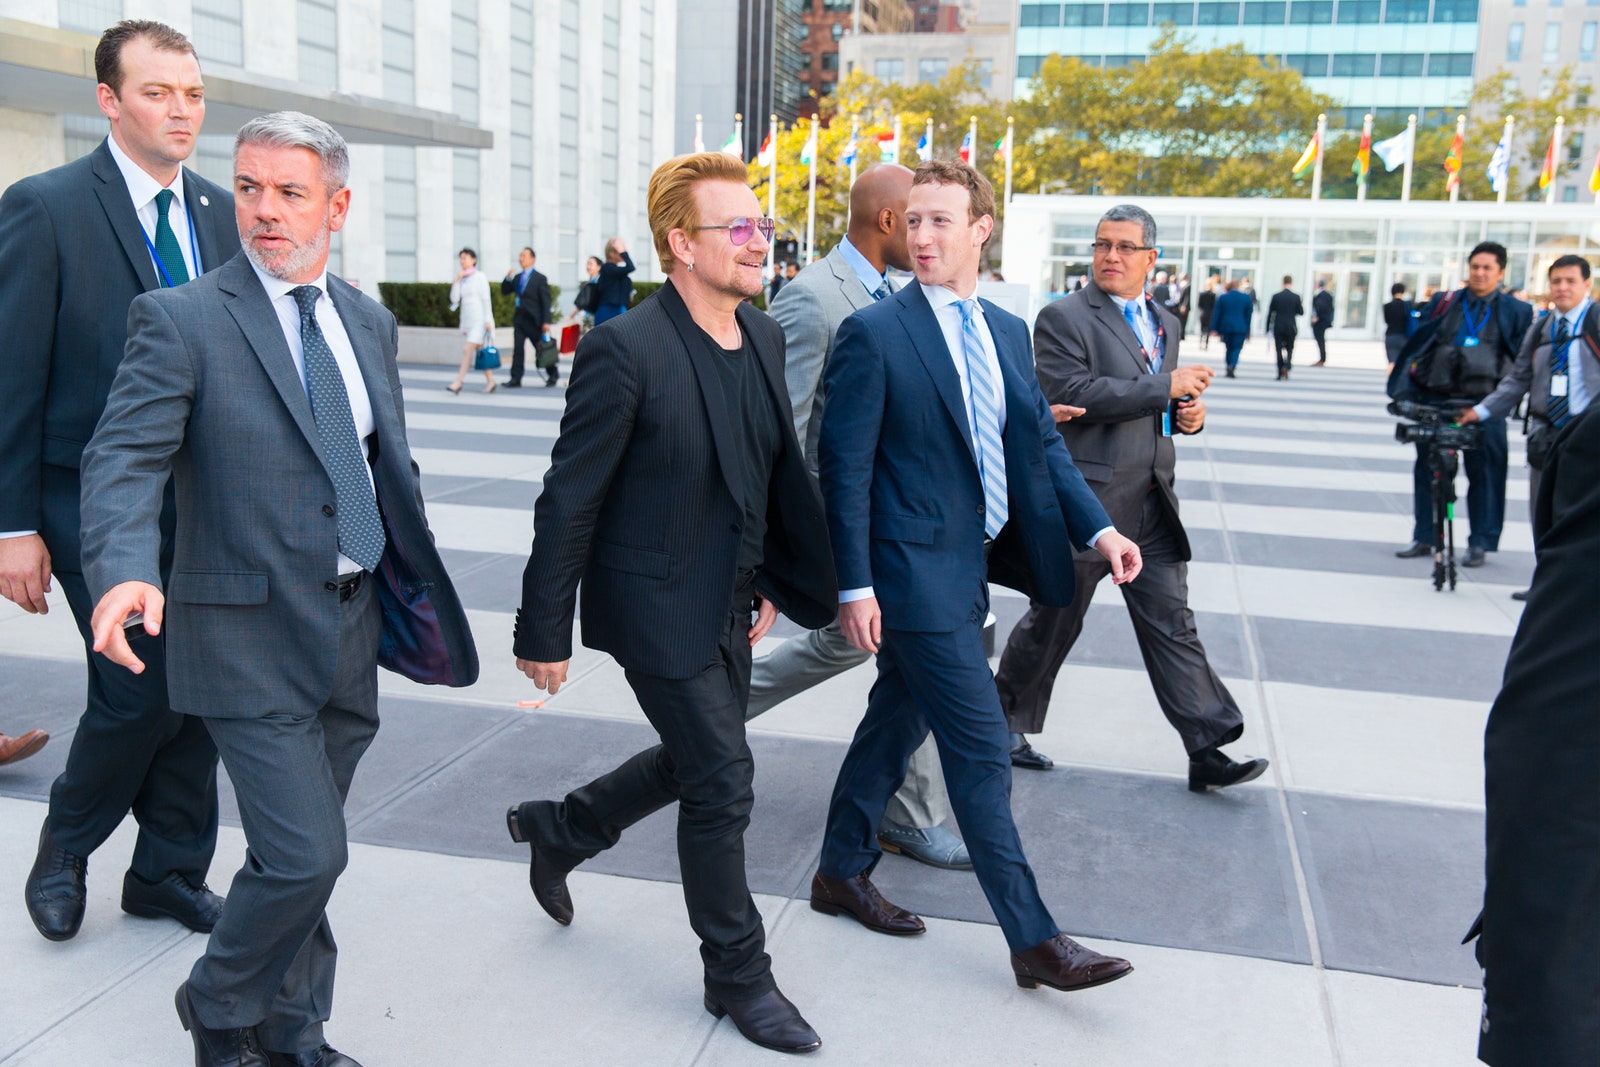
(268, 390)
(810, 309)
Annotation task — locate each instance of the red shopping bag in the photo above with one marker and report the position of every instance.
(569, 339)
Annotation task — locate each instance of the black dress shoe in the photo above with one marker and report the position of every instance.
(858, 898)
(219, 1048)
(1520, 594)
(769, 1021)
(512, 385)
(57, 889)
(1211, 768)
(1416, 549)
(326, 1056)
(174, 897)
(1475, 557)
(1025, 755)
(1061, 963)
(547, 878)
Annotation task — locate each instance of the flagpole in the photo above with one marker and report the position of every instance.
(1511, 121)
(855, 125)
(898, 151)
(811, 197)
(1366, 139)
(1461, 133)
(930, 141)
(699, 134)
(1010, 128)
(972, 131)
(1555, 159)
(1411, 151)
(1316, 164)
(772, 182)
(738, 133)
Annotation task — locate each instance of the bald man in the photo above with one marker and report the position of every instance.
(810, 309)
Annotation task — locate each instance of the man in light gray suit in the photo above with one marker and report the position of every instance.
(810, 309)
(268, 390)
(1114, 352)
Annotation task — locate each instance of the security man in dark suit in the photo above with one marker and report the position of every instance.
(1540, 927)
(82, 241)
(1282, 310)
(528, 322)
(1467, 342)
(678, 494)
(1321, 320)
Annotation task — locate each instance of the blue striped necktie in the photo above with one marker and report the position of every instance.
(985, 421)
(360, 528)
(1560, 411)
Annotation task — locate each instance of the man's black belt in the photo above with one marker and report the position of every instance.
(347, 585)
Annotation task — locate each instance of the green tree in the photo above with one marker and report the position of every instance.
(1182, 122)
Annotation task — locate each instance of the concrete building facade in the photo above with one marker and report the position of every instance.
(986, 34)
(491, 124)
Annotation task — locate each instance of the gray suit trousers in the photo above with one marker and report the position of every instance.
(1191, 695)
(270, 960)
(811, 659)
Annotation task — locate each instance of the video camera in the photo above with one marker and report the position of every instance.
(1434, 427)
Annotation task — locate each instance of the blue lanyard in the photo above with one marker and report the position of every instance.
(1161, 343)
(1474, 327)
(194, 247)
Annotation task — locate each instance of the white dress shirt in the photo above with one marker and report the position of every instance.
(947, 312)
(143, 189)
(1145, 328)
(343, 354)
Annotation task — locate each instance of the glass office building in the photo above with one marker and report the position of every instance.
(1390, 57)
(1358, 248)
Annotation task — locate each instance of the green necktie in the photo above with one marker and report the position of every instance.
(167, 248)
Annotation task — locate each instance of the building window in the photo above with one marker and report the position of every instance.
(1586, 43)
(219, 31)
(837, 30)
(1313, 65)
(932, 70)
(1406, 11)
(1264, 12)
(464, 60)
(1113, 62)
(1027, 66)
(1575, 148)
(805, 60)
(984, 69)
(1570, 194)
(1401, 65)
(1129, 15)
(1455, 10)
(1083, 15)
(1552, 42)
(1514, 43)
(399, 52)
(319, 44)
(1311, 12)
(400, 213)
(830, 61)
(1580, 94)
(1450, 65)
(1218, 15)
(1174, 14)
(1354, 65)
(464, 200)
(90, 16)
(1040, 15)
(1353, 11)
(892, 70)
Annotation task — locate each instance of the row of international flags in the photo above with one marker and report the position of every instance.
(888, 144)
(1399, 151)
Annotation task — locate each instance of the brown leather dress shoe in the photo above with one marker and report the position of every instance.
(13, 749)
(1062, 963)
(858, 898)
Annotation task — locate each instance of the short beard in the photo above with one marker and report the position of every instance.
(297, 260)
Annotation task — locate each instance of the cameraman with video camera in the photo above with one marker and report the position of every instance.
(1467, 342)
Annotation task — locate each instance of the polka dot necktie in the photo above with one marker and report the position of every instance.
(360, 529)
(167, 248)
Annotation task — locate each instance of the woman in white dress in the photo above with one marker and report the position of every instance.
(470, 293)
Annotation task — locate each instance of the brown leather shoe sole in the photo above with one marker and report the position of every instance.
(1026, 981)
(32, 742)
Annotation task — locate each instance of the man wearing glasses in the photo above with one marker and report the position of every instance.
(679, 496)
(1110, 350)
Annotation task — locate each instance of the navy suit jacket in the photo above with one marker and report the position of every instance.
(1232, 313)
(900, 479)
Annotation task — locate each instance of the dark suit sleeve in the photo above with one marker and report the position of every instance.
(1084, 514)
(127, 462)
(1514, 386)
(542, 297)
(602, 402)
(508, 286)
(28, 299)
(1062, 363)
(851, 422)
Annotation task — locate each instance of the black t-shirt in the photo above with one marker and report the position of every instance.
(754, 421)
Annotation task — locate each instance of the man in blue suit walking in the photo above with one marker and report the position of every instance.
(942, 469)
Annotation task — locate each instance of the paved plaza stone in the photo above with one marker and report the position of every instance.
(1312, 917)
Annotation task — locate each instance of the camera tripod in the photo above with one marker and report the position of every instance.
(1442, 465)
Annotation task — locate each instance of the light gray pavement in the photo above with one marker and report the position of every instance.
(1309, 918)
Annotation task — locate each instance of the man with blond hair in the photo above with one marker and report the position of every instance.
(679, 496)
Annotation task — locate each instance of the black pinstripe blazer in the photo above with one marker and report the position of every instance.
(643, 504)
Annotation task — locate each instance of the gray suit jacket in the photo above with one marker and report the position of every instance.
(1530, 375)
(1086, 354)
(208, 391)
(810, 309)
